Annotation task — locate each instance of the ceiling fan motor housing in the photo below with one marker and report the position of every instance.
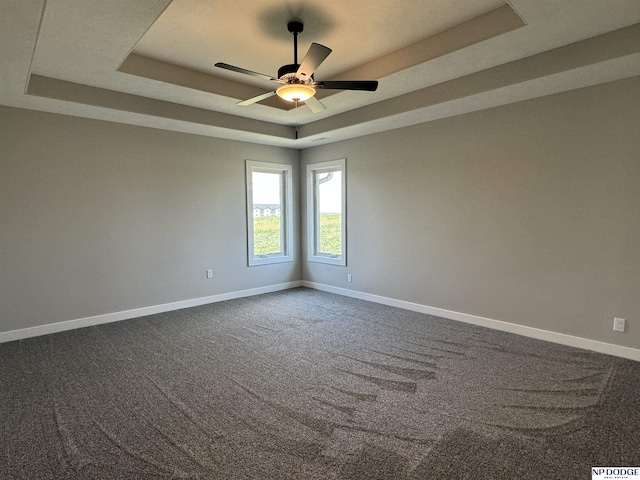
(288, 72)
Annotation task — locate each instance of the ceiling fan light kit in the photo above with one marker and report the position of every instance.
(292, 92)
(297, 80)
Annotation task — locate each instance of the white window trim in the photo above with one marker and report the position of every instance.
(286, 212)
(312, 255)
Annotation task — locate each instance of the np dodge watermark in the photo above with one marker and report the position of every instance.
(615, 473)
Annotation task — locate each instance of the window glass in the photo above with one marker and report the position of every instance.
(329, 192)
(326, 212)
(268, 231)
(269, 228)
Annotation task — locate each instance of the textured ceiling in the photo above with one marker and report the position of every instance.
(150, 62)
(197, 33)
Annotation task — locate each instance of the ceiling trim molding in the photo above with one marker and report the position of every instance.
(606, 47)
(99, 97)
(582, 63)
(78, 67)
(153, 69)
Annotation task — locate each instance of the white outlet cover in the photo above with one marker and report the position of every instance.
(619, 324)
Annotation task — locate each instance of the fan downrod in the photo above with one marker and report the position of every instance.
(295, 28)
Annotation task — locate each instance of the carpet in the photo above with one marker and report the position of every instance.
(303, 384)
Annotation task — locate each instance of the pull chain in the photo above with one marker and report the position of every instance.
(295, 100)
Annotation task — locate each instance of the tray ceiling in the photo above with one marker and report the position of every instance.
(150, 62)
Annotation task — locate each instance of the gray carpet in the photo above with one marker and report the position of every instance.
(304, 384)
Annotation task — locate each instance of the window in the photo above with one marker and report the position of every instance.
(326, 212)
(269, 213)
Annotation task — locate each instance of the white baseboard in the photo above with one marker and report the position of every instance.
(561, 338)
(138, 312)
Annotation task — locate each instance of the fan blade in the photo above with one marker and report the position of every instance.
(368, 85)
(312, 60)
(259, 98)
(226, 66)
(315, 105)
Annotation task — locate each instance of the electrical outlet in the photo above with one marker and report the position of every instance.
(209, 273)
(349, 278)
(619, 324)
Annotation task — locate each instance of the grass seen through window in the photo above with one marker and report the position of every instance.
(330, 233)
(267, 234)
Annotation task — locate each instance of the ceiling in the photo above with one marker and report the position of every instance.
(151, 62)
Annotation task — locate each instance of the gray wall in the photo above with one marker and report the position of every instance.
(528, 213)
(98, 217)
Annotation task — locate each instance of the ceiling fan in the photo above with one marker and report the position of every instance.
(298, 84)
